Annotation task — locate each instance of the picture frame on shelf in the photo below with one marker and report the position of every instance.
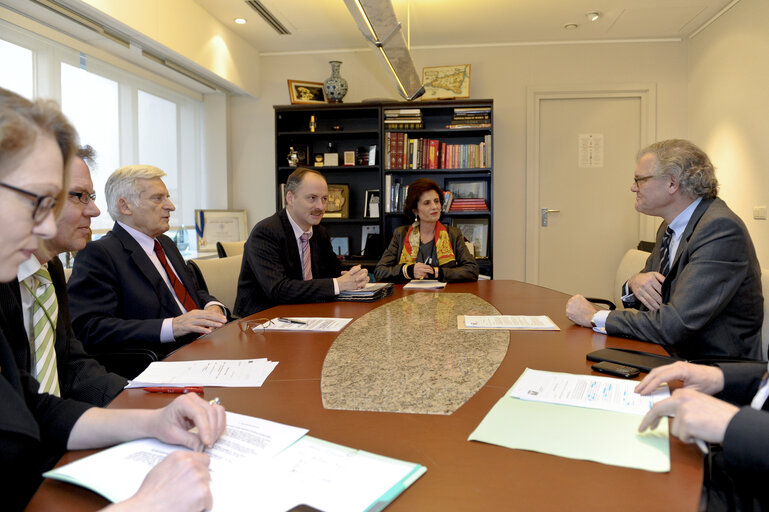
(305, 93)
(475, 230)
(373, 205)
(468, 189)
(338, 205)
(213, 226)
(302, 154)
(446, 82)
(282, 195)
(349, 158)
(330, 159)
(341, 246)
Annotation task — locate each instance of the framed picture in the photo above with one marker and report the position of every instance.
(446, 82)
(341, 246)
(302, 154)
(468, 189)
(305, 92)
(476, 230)
(349, 158)
(372, 205)
(338, 205)
(214, 226)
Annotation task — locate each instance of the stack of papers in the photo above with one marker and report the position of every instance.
(514, 322)
(304, 323)
(369, 293)
(287, 467)
(241, 373)
(424, 284)
(579, 417)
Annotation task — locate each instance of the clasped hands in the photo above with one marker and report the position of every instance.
(353, 279)
(696, 414)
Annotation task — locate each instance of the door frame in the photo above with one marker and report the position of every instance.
(535, 95)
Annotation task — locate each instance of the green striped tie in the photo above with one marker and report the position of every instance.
(45, 310)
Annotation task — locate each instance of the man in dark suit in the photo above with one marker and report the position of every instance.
(79, 376)
(131, 288)
(699, 294)
(288, 257)
(735, 421)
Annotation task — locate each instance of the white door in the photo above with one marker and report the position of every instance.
(585, 150)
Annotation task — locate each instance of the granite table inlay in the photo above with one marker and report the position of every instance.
(408, 356)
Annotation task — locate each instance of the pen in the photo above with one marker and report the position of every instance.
(215, 401)
(178, 390)
(291, 321)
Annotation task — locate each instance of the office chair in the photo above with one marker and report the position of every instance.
(225, 249)
(219, 277)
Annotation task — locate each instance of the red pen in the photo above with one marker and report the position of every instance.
(179, 390)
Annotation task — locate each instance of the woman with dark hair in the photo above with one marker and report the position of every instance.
(426, 249)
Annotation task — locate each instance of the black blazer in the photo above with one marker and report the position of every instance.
(272, 272)
(80, 376)
(118, 299)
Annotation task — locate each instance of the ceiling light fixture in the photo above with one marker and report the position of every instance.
(593, 15)
(570, 26)
(240, 21)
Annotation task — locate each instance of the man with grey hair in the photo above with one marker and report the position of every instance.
(131, 288)
(699, 294)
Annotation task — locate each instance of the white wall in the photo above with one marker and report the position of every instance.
(501, 73)
(728, 84)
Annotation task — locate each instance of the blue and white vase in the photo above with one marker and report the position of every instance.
(335, 86)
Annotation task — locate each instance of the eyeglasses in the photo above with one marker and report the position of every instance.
(84, 197)
(43, 204)
(638, 180)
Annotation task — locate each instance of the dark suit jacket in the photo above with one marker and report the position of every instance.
(118, 299)
(34, 429)
(736, 472)
(712, 301)
(80, 376)
(272, 268)
(463, 268)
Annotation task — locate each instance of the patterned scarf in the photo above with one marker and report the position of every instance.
(442, 245)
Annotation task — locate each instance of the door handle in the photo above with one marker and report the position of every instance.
(545, 212)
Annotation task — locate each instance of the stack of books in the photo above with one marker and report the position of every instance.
(471, 117)
(403, 119)
(402, 152)
(469, 204)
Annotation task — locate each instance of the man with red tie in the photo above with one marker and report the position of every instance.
(131, 288)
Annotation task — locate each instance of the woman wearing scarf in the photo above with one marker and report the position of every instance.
(426, 249)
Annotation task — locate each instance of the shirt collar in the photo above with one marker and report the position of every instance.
(297, 230)
(146, 242)
(679, 223)
(28, 268)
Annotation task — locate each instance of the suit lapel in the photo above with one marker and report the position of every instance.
(684, 243)
(294, 263)
(145, 266)
(13, 326)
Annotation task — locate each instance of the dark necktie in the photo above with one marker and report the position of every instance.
(181, 292)
(665, 252)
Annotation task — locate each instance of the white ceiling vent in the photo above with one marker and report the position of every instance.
(268, 16)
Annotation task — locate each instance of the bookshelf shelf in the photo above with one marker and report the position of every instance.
(364, 125)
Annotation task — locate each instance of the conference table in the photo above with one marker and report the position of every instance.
(461, 475)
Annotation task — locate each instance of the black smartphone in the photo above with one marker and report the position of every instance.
(619, 370)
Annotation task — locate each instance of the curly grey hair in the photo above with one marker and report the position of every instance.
(688, 163)
(122, 183)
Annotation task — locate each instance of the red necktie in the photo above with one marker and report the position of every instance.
(179, 289)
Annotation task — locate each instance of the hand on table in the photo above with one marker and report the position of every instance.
(647, 287)
(580, 311)
(706, 379)
(423, 270)
(171, 424)
(201, 321)
(353, 279)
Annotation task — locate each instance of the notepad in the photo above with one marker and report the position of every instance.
(424, 284)
(240, 373)
(511, 322)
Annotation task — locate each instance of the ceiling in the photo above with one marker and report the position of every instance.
(323, 25)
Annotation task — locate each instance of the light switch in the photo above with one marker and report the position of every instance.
(759, 212)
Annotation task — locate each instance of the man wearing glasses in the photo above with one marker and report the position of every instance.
(699, 294)
(52, 353)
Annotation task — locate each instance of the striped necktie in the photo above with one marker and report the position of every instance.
(45, 311)
(306, 260)
(665, 252)
(179, 289)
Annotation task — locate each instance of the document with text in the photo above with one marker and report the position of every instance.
(424, 284)
(305, 323)
(216, 372)
(514, 322)
(258, 465)
(606, 393)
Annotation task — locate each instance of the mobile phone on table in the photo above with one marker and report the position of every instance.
(620, 370)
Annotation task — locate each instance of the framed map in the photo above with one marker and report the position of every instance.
(446, 82)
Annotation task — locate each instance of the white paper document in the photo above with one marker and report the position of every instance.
(216, 372)
(606, 393)
(424, 284)
(517, 322)
(258, 465)
(308, 324)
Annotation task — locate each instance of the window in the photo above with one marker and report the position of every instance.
(16, 72)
